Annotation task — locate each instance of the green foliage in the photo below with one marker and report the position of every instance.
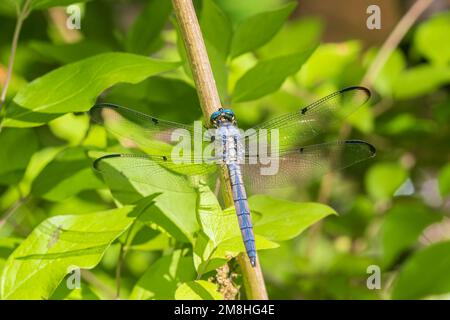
(402, 226)
(429, 36)
(67, 175)
(43, 259)
(163, 236)
(255, 31)
(444, 181)
(17, 148)
(198, 290)
(268, 76)
(426, 273)
(383, 179)
(74, 87)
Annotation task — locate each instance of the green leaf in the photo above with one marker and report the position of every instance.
(428, 39)
(383, 179)
(217, 31)
(288, 41)
(216, 27)
(67, 52)
(402, 226)
(70, 127)
(9, 6)
(283, 220)
(198, 290)
(221, 237)
(388, 74)
(425, 273)
(159, 96)
(144, 35)
(58, 243)
(129, 183)
(17, 147)
(444, 181)
(420, 80)
(329, 62)
(255, 31)
(268, 76)
(163, 277)
(67, 175)
(74, 87)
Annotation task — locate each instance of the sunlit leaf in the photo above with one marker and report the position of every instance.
(287, 41)
(383, 179)
(43, 259)
(444, 181)
(198, 290)
(68, 174)
(283, 220)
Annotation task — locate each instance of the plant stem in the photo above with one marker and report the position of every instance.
(22, 14)
(210, 102)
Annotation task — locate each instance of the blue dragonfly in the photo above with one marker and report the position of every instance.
(234, 150)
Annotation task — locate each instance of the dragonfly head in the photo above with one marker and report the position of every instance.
(221, 116)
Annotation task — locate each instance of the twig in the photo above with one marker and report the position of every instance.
(22, 14)
(380, 60)
(210, 102)
(394, 39)
(92, 279)
(119, 269)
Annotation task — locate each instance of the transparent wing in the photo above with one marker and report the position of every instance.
(304, 163)
(295, 129)
(158, 171)
(137, 129)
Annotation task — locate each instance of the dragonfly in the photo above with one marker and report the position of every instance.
(234, 151)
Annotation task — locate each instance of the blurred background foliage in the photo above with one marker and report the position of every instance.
(268, 57)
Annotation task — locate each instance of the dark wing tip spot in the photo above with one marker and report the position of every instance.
(372, 149)
(98, 160)
(302, 149)
(366, 90)
(155, 121)
(304, 110)
(164, 158)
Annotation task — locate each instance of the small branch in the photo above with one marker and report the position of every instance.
(21, 16)
(119, 269)
(92, 279)
(210, 102)
(394, 39)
